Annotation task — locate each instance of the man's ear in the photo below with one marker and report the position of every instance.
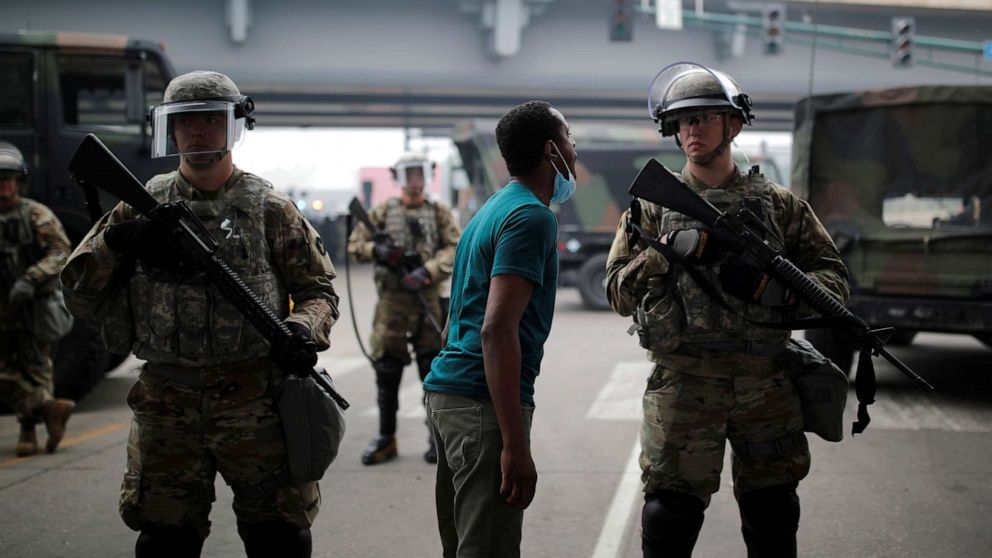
(549, 150)
(736, 125)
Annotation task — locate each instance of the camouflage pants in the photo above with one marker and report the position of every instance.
(25, 374)
(400, 321)
(184, 433)
(689, 418)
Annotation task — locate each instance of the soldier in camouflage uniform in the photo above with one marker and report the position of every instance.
(425, 232)
(716, 376)
(33, 248)
(203, 402)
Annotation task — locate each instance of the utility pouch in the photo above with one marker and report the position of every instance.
(658, 322)
(822, 389)
(312, 424)
(52, 320)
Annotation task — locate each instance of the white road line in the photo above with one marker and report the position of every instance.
(614, 532)
(916, 411)
(620, 398)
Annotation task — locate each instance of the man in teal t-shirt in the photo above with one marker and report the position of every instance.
(480, 391)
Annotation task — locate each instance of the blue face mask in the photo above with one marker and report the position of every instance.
(564, 187)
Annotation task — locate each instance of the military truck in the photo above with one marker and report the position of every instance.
(902, 179)
(610, 156)
(54, 89)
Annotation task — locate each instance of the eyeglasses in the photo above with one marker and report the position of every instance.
(703, 120)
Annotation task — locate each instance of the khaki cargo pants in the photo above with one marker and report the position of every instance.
(689, 418)
(183, 434)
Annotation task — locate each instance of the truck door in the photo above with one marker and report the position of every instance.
(19, 104)
(106, 94)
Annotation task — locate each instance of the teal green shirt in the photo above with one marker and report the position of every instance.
(512, 234)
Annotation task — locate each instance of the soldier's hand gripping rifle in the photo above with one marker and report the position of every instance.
(94, 164)
(409, 262)
(658, 185)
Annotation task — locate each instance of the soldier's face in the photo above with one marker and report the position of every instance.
(200, 136)
(414, 187)
(9, 184)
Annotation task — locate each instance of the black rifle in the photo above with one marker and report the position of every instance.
(94, 164)
(658, 185)
(411, 260)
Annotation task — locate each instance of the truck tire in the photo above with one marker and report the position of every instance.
(834, 345)
(80, 361)
(591, 281)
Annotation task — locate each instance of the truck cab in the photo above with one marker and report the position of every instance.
(902, 180)
(54, 89)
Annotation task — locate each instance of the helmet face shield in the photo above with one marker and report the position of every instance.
(189, 127)
(403, 169)
(685, 86)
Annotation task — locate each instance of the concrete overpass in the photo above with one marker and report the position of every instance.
(428, 63)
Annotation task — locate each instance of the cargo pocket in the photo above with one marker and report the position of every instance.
(461, 433)
(660, 322)
(226, 323)
(130, 503)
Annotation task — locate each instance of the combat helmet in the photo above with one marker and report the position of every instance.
(198, 93)
(686, 87)
(11, 158)
(411, 160)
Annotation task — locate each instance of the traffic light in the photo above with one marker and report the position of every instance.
(903, 30)
(621, 22)
(774, 21)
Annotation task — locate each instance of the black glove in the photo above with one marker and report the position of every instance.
(754, 285)
(416, 279)
(298, 353)
(149, 242)
(697, 246)
(387, 253)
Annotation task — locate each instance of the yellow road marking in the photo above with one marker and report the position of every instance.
(71, 441)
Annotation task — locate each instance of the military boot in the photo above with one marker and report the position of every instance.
(430, 455)
(56, 414)
(27, 442)
(379, 450)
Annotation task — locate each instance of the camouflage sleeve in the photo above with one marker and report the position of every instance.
(88, 275)
(362, 240)
(301, 260)
(53, 243)
(810, 248)
(631, 269)
(444, 257)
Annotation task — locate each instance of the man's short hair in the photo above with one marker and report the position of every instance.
(521, 134)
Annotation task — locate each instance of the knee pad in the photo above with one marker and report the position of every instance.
(168, 541)
(771, 511)
(670, 523)
(276, 538)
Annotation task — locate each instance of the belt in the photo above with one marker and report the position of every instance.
(194, 376)
(747, 347)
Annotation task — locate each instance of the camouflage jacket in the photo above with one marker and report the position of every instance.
(285, 257)
(638, 276)
(428, 229)
(33, 245)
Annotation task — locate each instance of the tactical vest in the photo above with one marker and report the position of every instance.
(412, 229)
(19, 248)
(188, 322)
(704, 319)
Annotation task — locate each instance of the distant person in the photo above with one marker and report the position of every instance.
(412, 256)
(480, 391)
(204, 400)
(33, 249)
(717, 377)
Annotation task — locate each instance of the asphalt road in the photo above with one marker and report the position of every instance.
(917, 483)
